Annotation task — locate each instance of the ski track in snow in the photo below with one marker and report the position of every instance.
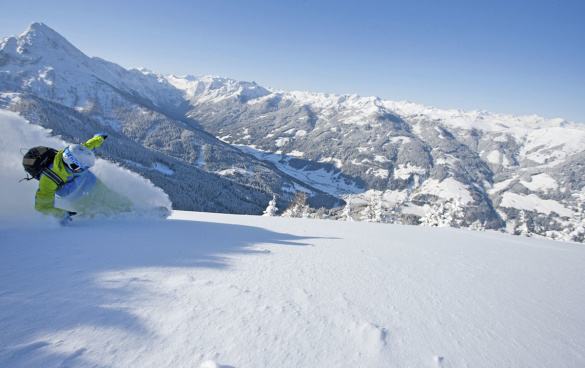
(223, 291)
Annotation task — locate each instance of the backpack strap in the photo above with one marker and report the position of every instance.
(54, 177)
(27, 179)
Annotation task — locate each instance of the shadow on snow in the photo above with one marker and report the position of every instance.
(48, 278)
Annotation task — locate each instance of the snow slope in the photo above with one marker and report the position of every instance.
(211, 290)
(247, 291)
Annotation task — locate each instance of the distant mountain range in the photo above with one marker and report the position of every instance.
(216, 144)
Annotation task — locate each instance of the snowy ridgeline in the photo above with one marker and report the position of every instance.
(394, 162)
(209, 290)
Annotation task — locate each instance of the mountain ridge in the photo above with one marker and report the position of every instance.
(422, 164)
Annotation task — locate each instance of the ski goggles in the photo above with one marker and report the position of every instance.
(75, 165)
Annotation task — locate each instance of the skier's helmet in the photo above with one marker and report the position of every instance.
(78, 158)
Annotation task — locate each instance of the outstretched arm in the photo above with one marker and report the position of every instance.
(96, 141)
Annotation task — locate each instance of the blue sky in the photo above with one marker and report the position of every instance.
(514, 56)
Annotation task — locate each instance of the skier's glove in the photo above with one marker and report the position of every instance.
(66, 218)
(103, 135)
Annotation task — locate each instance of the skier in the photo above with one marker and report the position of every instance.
(72, 166)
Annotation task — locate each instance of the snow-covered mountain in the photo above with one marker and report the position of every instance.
(494, 168)
(389, 161)
(204, 290)
(51, 83)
